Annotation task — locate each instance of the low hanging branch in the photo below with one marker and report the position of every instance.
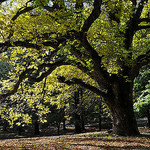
(82, 84)
(143, 27)
(16, 86)
(26, 44)
(25, 75)
(29, 44)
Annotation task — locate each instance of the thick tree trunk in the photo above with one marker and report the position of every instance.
(124, 122)
(121, 106)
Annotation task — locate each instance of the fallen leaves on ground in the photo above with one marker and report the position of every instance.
(92, 141)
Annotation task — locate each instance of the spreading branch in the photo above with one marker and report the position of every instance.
(143, 27)
(16, 86)
(82, 84)
(99, 71)
(22, 11)
(144, 20)
(140, 8)
(27, 43)
(27, 74)
(93, 16)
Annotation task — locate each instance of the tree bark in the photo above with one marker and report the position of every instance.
(77, 123)
(76, 115)
(100, 116)
(82, 121)
(36, 124)
(36, 128)
(64, 123)
(58, 128)
(121, 107)
(148, 117)
(19, 129)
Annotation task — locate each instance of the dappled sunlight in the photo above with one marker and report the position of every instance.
(94, 141)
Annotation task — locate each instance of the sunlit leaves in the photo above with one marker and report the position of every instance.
(62, 29)
(141, 42)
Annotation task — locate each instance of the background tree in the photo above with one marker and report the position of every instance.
(141, 81)
(142, 93)
(98, 45)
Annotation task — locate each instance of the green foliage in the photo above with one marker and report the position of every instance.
(4, 70)
(94, 43)
(141, 81)
(142, 92)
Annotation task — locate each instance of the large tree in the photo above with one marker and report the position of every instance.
(102, 40)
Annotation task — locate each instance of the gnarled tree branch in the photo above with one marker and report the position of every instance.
(26, 75)
(93, 16)
(143, 27)
(99, 71)
(17, 43)
(22, 11)
(28, 44)
(139, 8)
(82, 84)
(144, 20)
(16, 86)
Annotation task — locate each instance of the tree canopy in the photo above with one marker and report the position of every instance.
(99, 45)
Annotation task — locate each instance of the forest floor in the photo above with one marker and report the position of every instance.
(85, 141)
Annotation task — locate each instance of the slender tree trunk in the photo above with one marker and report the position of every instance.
(148, 116)
(82, 121)
(5, 125)
(36, 128)
(76, 115)
(64, 124)
(36, 124)
(58, 128)
(77, 123)
(121, 107)
(100, 113)
(64, 119)
(19, 129)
